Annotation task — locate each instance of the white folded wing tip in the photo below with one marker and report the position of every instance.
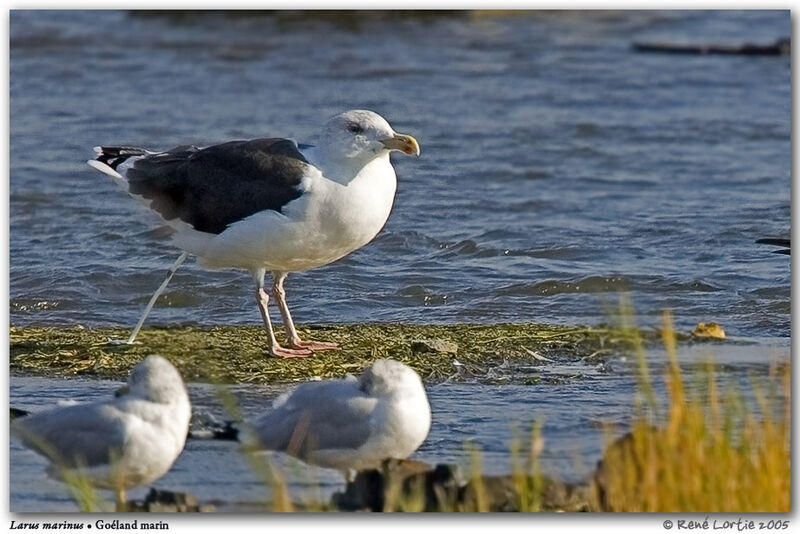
(102, 167)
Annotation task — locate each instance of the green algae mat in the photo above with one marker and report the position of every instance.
(232, 354)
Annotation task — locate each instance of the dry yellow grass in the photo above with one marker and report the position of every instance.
(712, 453)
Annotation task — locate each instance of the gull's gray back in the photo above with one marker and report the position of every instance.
(71, 436)
(316, 416)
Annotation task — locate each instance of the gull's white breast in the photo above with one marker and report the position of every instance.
(157, 436)
(329, 221)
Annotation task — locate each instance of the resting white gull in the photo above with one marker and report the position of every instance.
(352, 423)
(269, 204)
(120, 443)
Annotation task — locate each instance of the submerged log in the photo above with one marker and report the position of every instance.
(781, 47)
(783, 242)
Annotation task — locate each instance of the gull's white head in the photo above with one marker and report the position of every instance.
(360, 136)
(156, 380)
(390, 377)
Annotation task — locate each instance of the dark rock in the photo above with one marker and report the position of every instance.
(16, 413)
(368, 490)
(622, 450)
(501, 494)
(443, 488)
(167, 501)
(495, 494)
(558, 496)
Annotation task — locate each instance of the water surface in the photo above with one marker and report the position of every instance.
(558, 166)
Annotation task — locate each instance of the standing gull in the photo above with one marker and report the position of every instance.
(269, 204)
(120, 443)
(352, 423)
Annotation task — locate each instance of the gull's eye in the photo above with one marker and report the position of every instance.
(355, 128)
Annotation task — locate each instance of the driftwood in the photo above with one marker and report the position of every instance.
(781, 47)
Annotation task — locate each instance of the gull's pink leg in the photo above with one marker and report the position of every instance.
(292, 338)
(275, 350)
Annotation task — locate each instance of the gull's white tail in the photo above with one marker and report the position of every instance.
(110, 157)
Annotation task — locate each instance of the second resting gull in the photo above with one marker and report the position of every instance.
(349, 424)
(269, 204)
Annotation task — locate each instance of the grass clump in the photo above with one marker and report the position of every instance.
(709, 453)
